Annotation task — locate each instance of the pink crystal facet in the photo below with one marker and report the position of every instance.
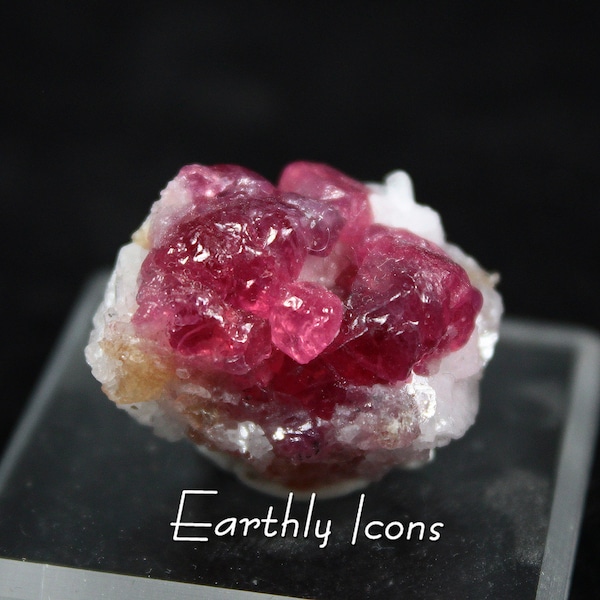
(408, 302)
(315, 180)
(306, 321)
(284, 329)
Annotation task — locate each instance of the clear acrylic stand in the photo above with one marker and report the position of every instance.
(87, 496)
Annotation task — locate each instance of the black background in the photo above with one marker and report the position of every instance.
(494, 113)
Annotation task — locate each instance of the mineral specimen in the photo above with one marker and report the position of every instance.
(308, 336)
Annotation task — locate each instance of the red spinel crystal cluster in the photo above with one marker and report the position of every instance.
(296, 333)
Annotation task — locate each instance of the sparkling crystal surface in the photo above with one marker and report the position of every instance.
(293, 332)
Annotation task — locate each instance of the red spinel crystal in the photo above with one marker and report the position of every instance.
(408, 303)
(322, 182)
(283, 329)
(306, 321)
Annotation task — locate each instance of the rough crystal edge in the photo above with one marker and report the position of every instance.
(454, 385)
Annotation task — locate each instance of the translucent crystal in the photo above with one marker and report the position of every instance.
(306, 321)
(309, 336)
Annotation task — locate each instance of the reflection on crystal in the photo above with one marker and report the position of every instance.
(308, 335)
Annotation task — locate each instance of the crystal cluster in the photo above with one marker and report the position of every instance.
(308, 336)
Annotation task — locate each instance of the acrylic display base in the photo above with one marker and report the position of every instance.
(88, 497)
